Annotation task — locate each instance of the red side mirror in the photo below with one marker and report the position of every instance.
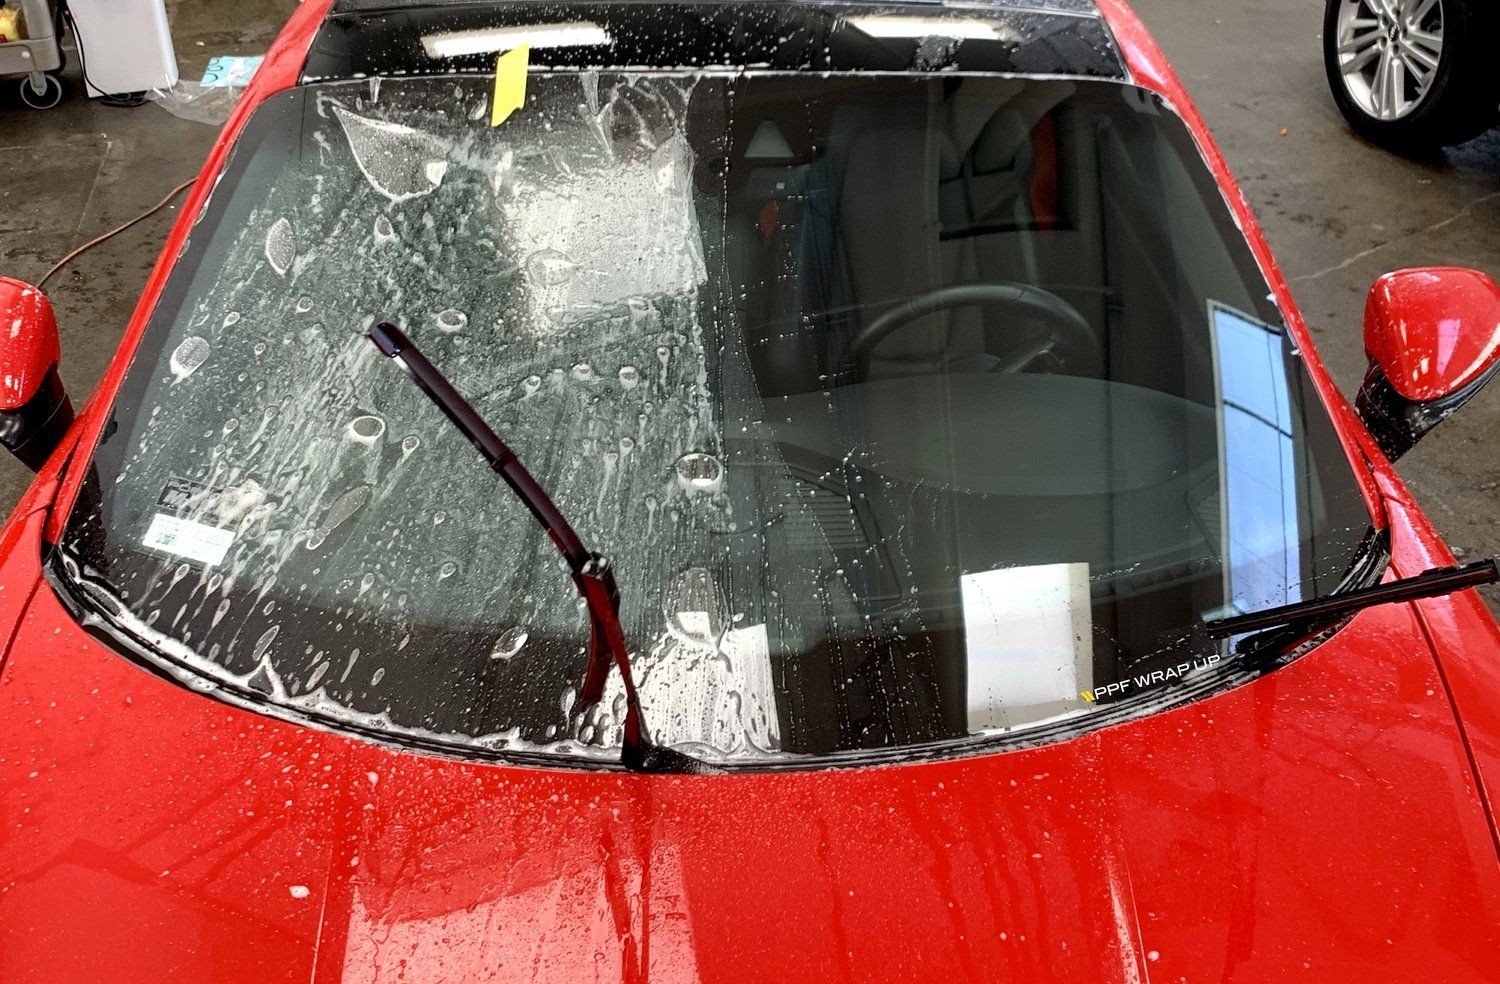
(34, 408)
(1433, 339)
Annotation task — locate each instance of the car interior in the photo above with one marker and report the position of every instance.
(985, 428)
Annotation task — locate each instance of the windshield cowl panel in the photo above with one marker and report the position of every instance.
(910, 411)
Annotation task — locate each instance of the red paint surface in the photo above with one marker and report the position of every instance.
(1433, 331)
(1321, 823)
(1324, 823)
(28, 342)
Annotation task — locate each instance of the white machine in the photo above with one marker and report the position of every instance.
(126, 45)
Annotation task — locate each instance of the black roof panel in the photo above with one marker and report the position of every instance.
(1089, 7)
(1039, 37)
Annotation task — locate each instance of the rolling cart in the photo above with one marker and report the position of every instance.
(37, 58)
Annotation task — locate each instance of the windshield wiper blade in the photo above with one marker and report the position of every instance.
(1438, 581)
(591, 571)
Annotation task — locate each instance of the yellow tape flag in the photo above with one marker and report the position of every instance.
(510, 83)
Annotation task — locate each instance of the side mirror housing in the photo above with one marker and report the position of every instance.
(34, 408)
(1433, 340)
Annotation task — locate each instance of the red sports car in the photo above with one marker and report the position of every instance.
(919, 540)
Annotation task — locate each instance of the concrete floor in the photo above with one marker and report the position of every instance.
(1337, 211)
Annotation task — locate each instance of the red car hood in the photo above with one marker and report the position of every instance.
(1320, 823)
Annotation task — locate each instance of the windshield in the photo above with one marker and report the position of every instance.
(907, 408)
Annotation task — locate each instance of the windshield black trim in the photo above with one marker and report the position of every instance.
(1367, 567)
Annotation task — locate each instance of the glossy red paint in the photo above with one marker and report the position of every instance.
(1320, 823)
(1433, 331)
(1324, 823)
(28, 342)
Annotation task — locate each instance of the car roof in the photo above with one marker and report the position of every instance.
(1082, 7)
(1030, 37)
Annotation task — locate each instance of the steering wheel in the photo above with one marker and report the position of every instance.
(1072, 340)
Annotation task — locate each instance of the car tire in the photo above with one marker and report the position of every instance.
(48, 96)
(1461, 98)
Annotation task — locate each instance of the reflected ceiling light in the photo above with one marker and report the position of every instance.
(962, 28)
(456, 44)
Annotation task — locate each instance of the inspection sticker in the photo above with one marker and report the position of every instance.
(184, 538)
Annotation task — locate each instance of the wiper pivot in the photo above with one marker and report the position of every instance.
(1438, 581)
(591, 571)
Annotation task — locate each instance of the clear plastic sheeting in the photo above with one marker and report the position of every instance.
(212, 99)
(195, 101)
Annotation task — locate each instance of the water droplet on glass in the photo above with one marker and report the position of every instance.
(188, 356)
(365, 429)
(410, 443)
(452, 320)
(509, 643)
(264, 642)
(231, 319)
(505, 162)
(448, 569)
(281, 246)
(347, 504)
(304, 304)
(549, 268)
(699, 472)
(384, 232)
(583, 372)
(531, 384)
(629, 376)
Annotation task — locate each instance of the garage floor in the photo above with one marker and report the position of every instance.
(1338, 212)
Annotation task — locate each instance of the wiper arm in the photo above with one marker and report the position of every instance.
(591, 571)
(1438, 581)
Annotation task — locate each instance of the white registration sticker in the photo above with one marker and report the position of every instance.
(185, 538)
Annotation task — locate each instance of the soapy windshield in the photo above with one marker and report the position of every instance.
(908, 408)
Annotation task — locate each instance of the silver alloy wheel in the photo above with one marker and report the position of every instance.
(1388, 53)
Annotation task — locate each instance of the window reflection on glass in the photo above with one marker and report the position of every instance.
(1259, 481)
